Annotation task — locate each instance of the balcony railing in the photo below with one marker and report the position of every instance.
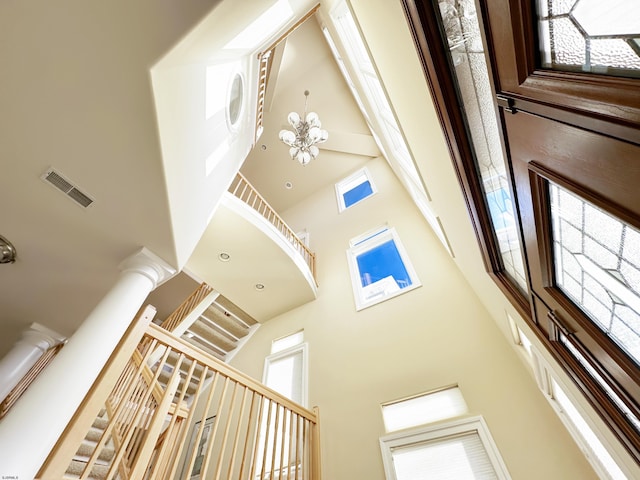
(241, 188)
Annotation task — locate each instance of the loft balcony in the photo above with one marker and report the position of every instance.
(247, 245)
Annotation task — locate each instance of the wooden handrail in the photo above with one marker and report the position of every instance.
(173, 320)
(242, 189)
(240, 426)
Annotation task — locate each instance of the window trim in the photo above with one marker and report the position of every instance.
(341, 189)
(366, 242)
(425, 27)
(473, 424)
(546, 377)
(287, 352)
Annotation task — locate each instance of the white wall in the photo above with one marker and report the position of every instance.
(436, 335)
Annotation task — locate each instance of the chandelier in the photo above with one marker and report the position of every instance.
(305, 136)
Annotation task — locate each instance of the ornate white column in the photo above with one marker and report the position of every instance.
(31, 428)
(32, 344)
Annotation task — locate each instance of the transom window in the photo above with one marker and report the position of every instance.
(354, 189)
(460, 448)
(590, 35)
(380, 268)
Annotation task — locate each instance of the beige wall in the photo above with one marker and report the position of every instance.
(436, 335)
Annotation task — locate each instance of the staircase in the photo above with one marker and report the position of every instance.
(209, 321)
(220, 329)
(88, 447)
(145, 418)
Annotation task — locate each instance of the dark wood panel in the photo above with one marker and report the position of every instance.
(511, 28)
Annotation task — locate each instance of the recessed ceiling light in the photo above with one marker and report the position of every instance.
(259, 287)
(288, 185)
(263, 146)
(224, 257)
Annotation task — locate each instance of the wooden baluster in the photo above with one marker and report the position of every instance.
(158, 466)
(298, 441)
(214, 430)
(290, 462)
(274, 447)
(183, 434)
(283, 440)
(225, 435)
(203, 419)
(266, 441)
(236, 440)
(256, 442)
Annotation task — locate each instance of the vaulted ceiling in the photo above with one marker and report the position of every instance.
(77, 97)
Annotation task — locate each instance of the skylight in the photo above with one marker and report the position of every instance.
(357, 67)
(262, 27)
(354, 188)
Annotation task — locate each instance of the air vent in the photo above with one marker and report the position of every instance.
(64, 185)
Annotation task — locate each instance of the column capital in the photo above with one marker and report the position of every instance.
(41, 337)
(148, 264)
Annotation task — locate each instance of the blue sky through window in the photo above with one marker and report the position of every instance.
(381, 262)
(357, 193)
(500, 208)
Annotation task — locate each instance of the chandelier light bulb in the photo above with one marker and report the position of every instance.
(305, 136)
(313, 120)
(293, 119)
(288, 137)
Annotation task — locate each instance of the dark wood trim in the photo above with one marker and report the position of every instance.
(605, 105)
(425, 28)
(510, 24)
(592, 391)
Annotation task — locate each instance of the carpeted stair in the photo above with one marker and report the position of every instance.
(88, 446)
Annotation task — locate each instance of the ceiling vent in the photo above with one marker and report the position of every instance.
(61, 183)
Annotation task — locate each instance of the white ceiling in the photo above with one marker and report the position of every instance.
(77, 96)
(308, 64)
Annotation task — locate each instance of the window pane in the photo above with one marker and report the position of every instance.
(457, 458)
(590, 35)
(598, 378)
(382, 262)
(357, 193)
(460, 22)
(423, 409)
(287, 342)
(284, 375)
(588, 436)
(597, 265)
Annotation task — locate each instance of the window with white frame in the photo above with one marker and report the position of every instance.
(424, 408)
(285, 370)
(569, 412)
(352, 55)
(354, 189)
(461, 448)
(380, 268)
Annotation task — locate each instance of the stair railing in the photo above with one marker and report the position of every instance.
(17, 391)
(186, 307)
(242, 189)
(231, 427)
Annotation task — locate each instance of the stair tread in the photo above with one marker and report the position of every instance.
(231, 307)
(86, 450)
(226, 321)
(98, 471)
(212, 336)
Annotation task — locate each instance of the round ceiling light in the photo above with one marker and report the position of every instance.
(259, 287)
(224, 257)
